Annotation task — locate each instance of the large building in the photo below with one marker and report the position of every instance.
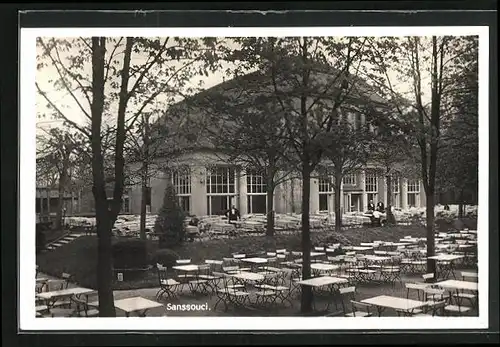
(208, 183)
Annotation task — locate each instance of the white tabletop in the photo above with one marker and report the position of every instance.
(409, 240)
(367, 244)
(322, 281)
(324, 267)
(65, 292)
(41, 280)
(446, 257)
(136, 304)
(248, 276)
(455, 284)
(190, 267)
(255, 260)
(239, 256)
(317, 254)
(394, 302)
(358, 248)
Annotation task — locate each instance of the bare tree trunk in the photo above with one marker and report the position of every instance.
(104, 256)
(390, 216)
(144, 176)
(144, 188)
(306, 300)
(431, 264)
(60, 201)
(270, 204)
(338, 211)
(461, 204)
(292, 192)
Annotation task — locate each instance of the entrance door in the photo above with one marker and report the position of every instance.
(347, 202)
(355, 202)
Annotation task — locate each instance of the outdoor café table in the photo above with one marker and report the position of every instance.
(254, 261)
(385, 301)
(361, 249)
(51, 298)
(186, 268)
(319, 267)
(446, 262)
(368, 244)
(136, 304)
(455, 285)
(248, 276)
(332, 283)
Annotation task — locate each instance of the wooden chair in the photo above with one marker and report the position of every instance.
(168, 286)
(417, 287)
(87, 305)
(360, 309)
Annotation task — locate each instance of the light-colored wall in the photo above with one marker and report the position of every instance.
(283, 193)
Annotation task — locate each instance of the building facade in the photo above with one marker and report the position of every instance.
(206, 184)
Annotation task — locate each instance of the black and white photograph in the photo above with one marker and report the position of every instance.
(254, 178)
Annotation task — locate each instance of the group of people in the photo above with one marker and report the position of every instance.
(380, 206)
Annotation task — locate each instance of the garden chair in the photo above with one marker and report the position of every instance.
(428, 278)
(436, 309)
(235, 292)
(391, 273)
(469, 276)
(168, 286)
(360, 309)
(86, 305)
(200, 283)
(417, 287)
(457, 308)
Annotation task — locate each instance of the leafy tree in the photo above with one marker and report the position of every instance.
(347, 149)
(169, 224)
(58, 152)
(111, 82)
(423, 61)
(311, 78)
(243, 122)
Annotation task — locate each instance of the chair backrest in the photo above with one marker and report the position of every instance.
(296, 254)
(414, 286)
(271, 254)
(230, 268)
(469, 276)
(319, 249)
(183, 261)
(228, 260)
(281, 251)
(347, 290)
(281, 256)
(433, 291)
(428, 277)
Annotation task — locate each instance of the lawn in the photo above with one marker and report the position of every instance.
(79, 257)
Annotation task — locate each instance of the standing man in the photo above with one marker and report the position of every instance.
(233, 214)
(371, 206)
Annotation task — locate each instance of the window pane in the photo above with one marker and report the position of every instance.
(323, 202)
(258, 204)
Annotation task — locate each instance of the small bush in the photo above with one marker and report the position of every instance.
(130, 254)
(165, 257)
(169, 224)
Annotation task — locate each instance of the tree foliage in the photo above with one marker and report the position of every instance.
(169, 225)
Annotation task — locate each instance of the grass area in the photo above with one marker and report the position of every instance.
(79, 257)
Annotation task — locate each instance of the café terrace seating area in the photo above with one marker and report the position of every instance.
(367, 280)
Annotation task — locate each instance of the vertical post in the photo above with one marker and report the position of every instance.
(364, 200)
(404, 193)
(242, 192)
